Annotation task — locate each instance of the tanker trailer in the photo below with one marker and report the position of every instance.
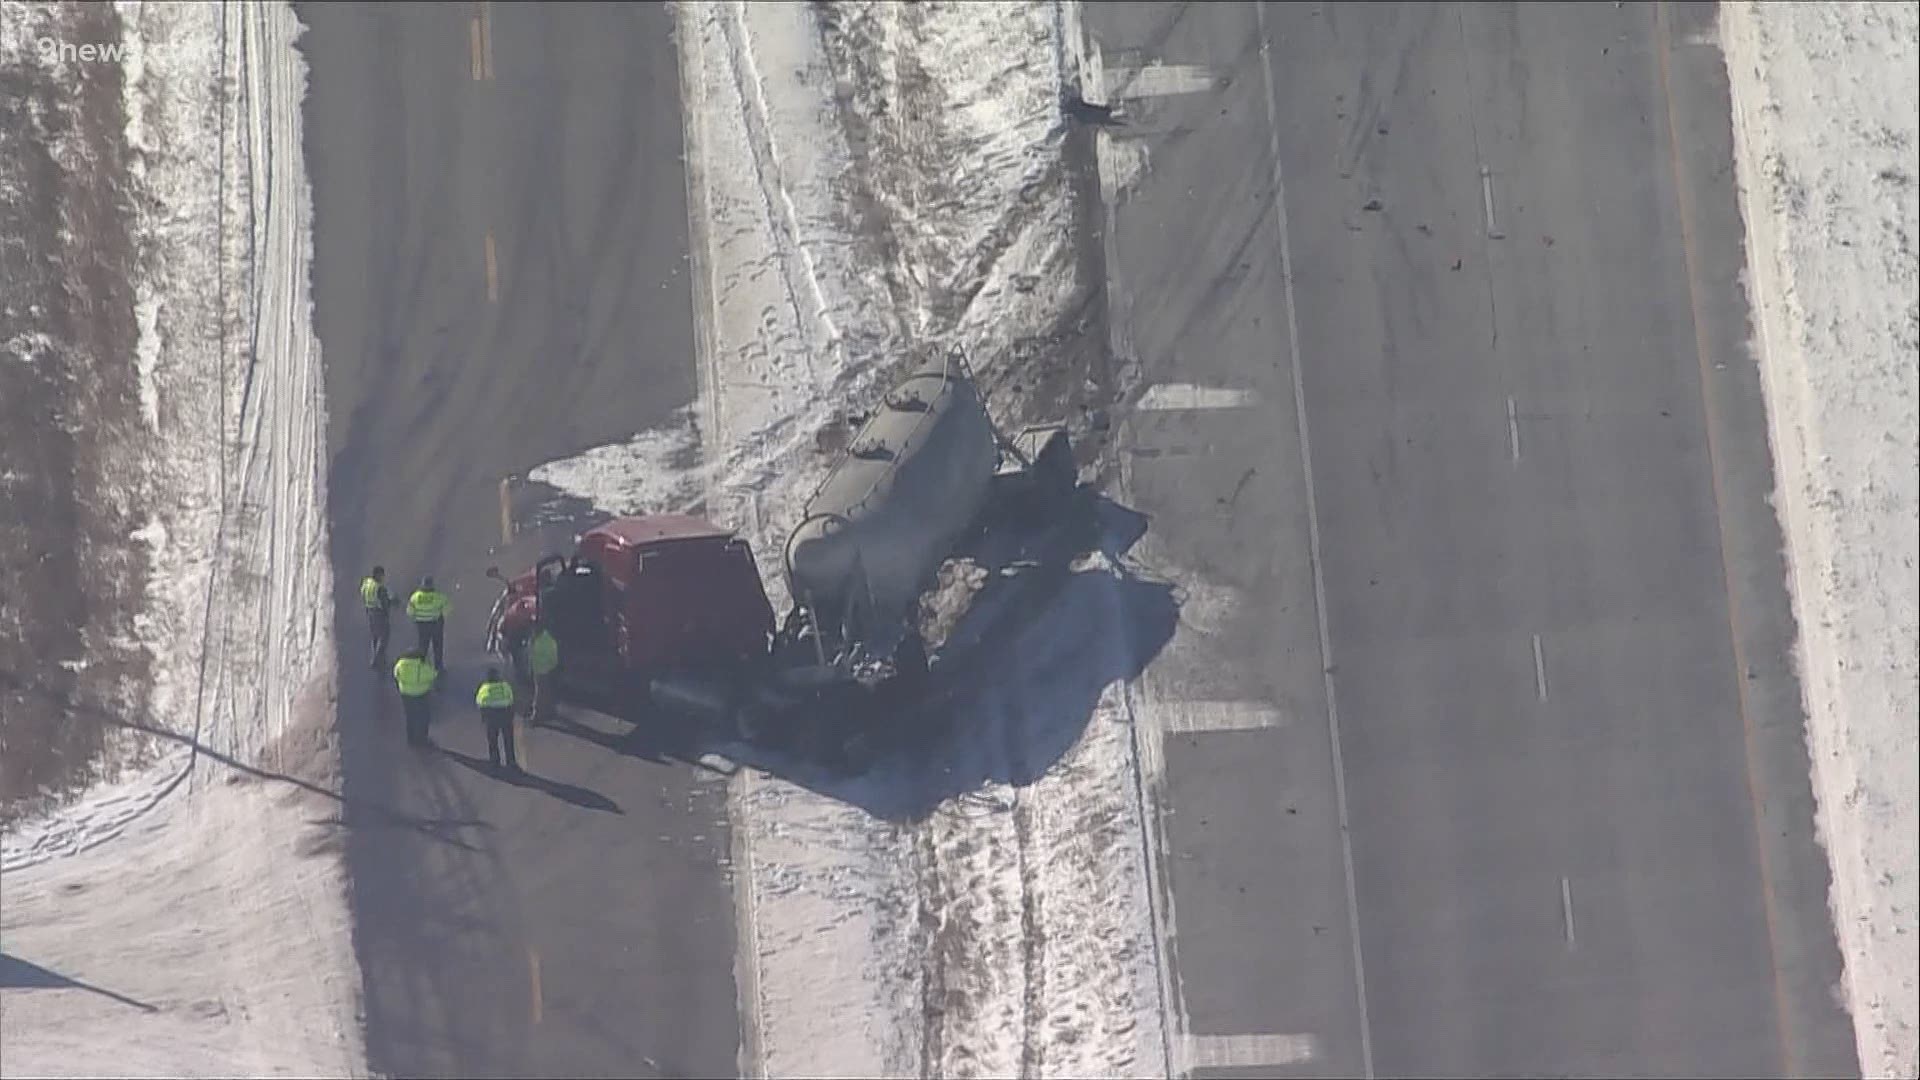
(913, 481)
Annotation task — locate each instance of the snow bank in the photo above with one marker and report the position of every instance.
(209, 939)
(210, 936)
(870, 181)
(1826, 105)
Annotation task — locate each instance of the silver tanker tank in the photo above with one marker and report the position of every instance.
(910, 484)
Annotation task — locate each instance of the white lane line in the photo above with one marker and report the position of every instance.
(1313, 530)
(1168, 396)
(1249, 1051)
(1194, 717)
(1159, 79)
(1486, 195)
(1539, 668)
(537, 1004)
(1566, 909)
(1513, 429)
(493, 270)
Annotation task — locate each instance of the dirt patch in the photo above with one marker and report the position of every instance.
(307, 753)
(72, 575)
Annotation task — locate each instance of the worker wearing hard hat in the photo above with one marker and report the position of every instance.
(495, 701)
(427, 607)
(415, 678)
(378, 602)
(543, 659)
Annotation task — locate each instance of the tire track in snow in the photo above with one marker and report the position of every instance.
(802, 275)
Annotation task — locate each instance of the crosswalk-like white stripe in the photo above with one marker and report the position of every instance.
(1167, 396)
(1188, 717)
(1249, 1051)
(1159, 80)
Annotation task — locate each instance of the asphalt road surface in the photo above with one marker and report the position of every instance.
(500, 279)
(1482, 752)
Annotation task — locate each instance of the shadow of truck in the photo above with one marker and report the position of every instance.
(1007, 695)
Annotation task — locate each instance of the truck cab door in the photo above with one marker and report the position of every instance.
(547, 575)
(581, 621)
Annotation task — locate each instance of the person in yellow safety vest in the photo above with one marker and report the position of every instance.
(495, 699)
(427, 607)
(415, 678)
(543, 658)
(378, 602)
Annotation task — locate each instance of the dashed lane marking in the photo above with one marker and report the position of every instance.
(1539, 669)
(486, 41)
(493, 271)
(1486, 197)
(1566, 910)
(533, 975)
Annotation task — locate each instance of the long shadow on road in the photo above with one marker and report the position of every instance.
(585, 798)
(645, 741)
(353, 812)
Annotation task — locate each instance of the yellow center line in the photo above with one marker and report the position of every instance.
(533, 972)
(493, 271)
(506, 512)
(473, 35)
(1683, 205)
(486, 41)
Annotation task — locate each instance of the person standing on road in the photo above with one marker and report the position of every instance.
(379, 603)
(495, 699)
(415, 678)
(427, 607)
(543, 658)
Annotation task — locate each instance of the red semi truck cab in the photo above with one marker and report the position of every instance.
(642, 596)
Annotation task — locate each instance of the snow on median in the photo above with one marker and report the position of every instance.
(868, 182)
(1826, 104)
(192, 919)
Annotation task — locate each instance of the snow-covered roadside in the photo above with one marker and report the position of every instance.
(1827, 129)
(868, 182)
(192, 919)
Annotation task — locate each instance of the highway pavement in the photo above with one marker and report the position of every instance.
(501, 279)
(1478, 751)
